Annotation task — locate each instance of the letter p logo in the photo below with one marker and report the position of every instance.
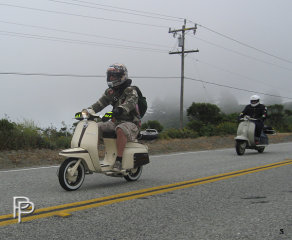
(22, 205)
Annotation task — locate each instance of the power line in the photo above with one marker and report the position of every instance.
(132, 10)
(136, 77)
(79, 33)
(67, 40)
(246, 45)
(83, 16)
(111, 10)
(129, 22)
(79, 75)
(242, 54)
(231, 72)
(207, 28)
(235, 88)
(52, 74)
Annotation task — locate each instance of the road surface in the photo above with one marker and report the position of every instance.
(195, 195)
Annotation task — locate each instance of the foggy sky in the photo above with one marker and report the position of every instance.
(264, 24)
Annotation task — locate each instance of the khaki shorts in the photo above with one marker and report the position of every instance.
(130, 129)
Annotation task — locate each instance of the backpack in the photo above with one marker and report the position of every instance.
(142, 102)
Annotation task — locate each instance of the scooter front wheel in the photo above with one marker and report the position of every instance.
(67, 181)
(240, 147)
(134, 174)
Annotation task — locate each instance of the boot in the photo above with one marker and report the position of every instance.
(117, 167)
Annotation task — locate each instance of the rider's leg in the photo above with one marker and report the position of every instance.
(126, 131)
(258, 129)
(121, 142)
(105, 127)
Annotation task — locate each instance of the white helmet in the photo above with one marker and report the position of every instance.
(254, 100)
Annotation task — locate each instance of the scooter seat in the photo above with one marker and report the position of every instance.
(109, 134)
(112, 134)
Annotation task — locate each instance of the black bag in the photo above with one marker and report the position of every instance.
(142, 102)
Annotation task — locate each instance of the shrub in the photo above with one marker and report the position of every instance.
(201, 128)
(226, 128)
(27, 135)
(205, 112)
(6, 125)
(178, 133)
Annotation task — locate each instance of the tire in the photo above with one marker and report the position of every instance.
(76, 181)
(134, 174)
(261, 149)
(240, 147)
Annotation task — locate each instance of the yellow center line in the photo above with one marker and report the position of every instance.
(65, 209)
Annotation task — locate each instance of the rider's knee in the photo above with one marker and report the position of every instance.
(119, 131)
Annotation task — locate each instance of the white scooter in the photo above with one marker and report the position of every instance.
(245, 136)
(83, 156)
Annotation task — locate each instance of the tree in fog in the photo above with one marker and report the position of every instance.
(270, 100)
(228, 103)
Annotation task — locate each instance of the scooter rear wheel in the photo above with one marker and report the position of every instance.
(134, 174)
(71, 183)
(261, 149)
(240, 147)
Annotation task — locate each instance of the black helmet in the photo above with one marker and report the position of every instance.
(116, 74)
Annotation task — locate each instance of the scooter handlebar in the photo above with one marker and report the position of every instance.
(85, 114)
(247, 118)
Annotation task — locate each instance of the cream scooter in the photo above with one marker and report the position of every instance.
(245, 136)
(83, 156)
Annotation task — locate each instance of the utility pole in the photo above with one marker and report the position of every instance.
(181, 44)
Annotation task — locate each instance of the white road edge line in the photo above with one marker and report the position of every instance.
(27, 169)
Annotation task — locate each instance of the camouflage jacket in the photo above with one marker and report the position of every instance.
(127, 98)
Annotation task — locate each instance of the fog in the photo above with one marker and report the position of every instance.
(82, 44)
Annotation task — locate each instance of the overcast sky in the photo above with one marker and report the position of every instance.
(83, 37)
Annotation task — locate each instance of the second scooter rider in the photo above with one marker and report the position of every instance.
(257, 111)
(126, 117)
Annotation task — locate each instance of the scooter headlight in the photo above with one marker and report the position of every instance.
(85, 114)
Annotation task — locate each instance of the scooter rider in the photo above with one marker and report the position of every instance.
(257, 111)
(124, 99)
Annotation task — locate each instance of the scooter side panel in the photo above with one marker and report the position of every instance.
(130, 149)
(128, 156)
(110, 151)
(250, 132)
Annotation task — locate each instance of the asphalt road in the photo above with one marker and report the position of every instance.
(244, 205)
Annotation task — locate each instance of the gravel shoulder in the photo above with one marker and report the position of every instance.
(44, 157)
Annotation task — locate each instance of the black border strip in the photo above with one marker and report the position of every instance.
(83, 151)
(81, 135)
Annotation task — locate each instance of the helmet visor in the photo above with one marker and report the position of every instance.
(114, 78)
(254, 101)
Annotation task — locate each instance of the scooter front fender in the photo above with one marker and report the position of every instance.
(242, 138)
(80, 153)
